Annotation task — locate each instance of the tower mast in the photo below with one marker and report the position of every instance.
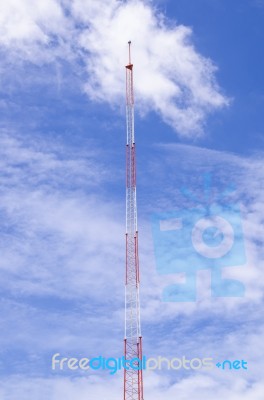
(133, 380)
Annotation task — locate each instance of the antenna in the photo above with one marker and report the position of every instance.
(133, 378)
(129, 51)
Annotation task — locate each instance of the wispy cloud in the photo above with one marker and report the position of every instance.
(45, 205)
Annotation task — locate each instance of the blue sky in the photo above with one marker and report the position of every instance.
(199, 100)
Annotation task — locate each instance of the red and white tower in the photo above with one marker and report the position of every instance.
(133, 380)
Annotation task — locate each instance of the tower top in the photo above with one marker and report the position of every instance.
(130, 65)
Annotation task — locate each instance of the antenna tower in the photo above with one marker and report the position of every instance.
(133, 379)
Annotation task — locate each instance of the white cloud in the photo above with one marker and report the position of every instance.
(198, 386)
(29, 28)
(52, 217)
(171, 77)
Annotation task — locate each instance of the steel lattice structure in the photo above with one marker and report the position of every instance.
(133, 380)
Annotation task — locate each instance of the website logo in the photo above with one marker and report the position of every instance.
(113, 365)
